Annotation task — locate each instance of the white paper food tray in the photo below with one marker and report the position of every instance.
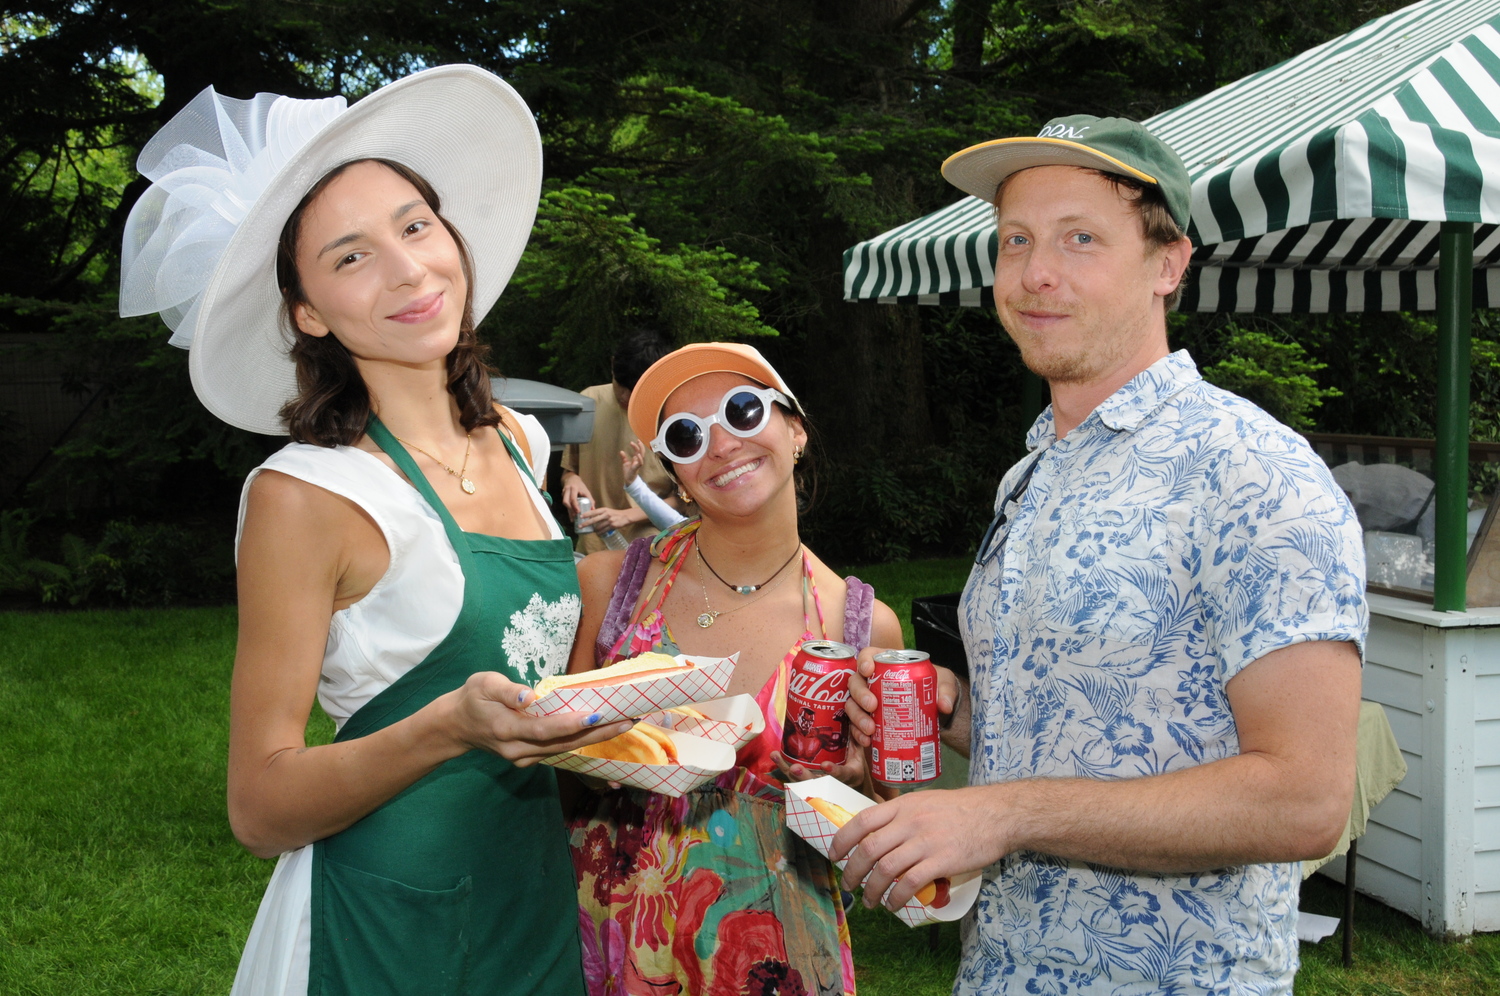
(627, 701)
(815, 828)
(699, 761)
(735, 720)
(732, 722)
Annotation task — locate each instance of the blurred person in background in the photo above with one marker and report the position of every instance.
(593, 470)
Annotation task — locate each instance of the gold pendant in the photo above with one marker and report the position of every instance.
(706, 619)
(467, 485)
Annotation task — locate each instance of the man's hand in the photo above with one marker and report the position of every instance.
(908, 842)
(572, 489)
(1284, 797)
(951, 695)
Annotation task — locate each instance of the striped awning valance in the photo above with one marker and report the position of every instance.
(1319, 291)
(1240, 289)
(1335, 168)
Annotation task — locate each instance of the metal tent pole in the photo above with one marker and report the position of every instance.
(1455, 302)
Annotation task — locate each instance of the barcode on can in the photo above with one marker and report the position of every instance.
(893, 769)
(927, 765)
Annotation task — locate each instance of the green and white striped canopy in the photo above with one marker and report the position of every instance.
(1318, 185)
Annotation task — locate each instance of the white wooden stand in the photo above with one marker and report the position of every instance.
(1433, 846)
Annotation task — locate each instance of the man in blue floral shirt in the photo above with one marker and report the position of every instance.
(1163, 626)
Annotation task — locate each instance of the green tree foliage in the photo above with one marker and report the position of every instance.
(590, 273)
(1275, 374)
(707, 164)
(147, 422)
(70, 119)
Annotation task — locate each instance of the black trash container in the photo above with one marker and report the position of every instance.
(934, 620)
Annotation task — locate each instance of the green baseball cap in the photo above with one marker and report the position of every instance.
(1114, 145)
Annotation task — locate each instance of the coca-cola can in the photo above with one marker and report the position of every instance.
(904, 750)
(817, 725)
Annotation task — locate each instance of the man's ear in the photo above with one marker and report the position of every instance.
(1175, 258)
(306, 319)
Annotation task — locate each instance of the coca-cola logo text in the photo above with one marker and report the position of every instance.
(824, 689)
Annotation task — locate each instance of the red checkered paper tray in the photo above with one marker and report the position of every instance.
(815, 828)
(735, 720)
(811, 825)
(698, 761)
(706, 748)
(710, 680)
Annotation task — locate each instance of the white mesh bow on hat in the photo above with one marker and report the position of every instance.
(209, 165)
(200, 244)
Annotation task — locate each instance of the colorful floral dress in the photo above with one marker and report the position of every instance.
(709, 894)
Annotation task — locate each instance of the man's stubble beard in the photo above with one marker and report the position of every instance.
(1058, 367)
(1099, 347)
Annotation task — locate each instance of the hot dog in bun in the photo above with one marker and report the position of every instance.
(636, 669)
(642, 744)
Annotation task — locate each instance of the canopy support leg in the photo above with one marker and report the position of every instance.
(1455, 302)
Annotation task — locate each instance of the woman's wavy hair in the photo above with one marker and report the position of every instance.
(332, 406)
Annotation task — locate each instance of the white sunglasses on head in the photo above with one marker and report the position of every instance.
(743, 412)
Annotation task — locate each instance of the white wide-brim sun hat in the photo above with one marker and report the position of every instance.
(200, 245)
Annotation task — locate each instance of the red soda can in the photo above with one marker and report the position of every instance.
(817, 727)
(904, 750)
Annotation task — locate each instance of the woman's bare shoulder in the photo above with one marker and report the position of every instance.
(290, 499)
(601, 568)
(291, 514)
(885, 628)
(885, 625)
(830, 584)
(276, 493)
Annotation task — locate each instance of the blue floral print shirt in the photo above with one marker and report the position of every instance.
(1175, 536)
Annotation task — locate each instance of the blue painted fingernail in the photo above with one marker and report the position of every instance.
(592, 720)
(521, 699)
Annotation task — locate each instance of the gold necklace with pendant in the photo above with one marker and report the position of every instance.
(460, 473)
(707, 617)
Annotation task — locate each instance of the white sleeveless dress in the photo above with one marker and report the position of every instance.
(370, 644)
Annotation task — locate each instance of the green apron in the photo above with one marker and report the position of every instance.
(462, 883)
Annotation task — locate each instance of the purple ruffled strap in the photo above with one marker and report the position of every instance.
(622, 600)
(859, 613)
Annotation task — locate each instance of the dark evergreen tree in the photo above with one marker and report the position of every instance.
(707, 164)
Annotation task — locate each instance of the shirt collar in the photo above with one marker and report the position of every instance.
(1132, 405)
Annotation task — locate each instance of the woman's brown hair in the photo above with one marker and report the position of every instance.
(332, 406)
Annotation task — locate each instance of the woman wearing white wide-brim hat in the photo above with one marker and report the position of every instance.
(396, 561)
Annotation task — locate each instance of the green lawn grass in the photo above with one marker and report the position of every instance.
(897, 584)
(118, 873)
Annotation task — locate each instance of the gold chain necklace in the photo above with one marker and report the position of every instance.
(463, 480)
(708, 616)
